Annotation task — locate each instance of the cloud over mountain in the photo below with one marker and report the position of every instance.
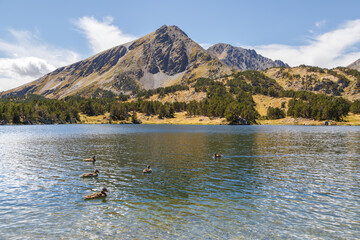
(28, 58)
(102, 35)
(339, 47)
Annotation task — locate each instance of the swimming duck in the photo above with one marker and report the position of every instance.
(217, 155)
(101, 194)
(90, 159)
(147, 170)
(94, 174)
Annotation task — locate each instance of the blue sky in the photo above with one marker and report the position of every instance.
(39, 36)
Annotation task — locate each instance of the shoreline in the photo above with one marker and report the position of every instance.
(182, 119)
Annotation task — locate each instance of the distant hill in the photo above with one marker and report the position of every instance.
(355, 65)
(242, 59)
(340, 81)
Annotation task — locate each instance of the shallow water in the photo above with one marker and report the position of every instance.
(274, 182)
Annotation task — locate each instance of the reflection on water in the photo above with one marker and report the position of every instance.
(273, 182)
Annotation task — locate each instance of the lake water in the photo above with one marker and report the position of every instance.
(273, 182)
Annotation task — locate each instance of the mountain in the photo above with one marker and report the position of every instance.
(162, 58)
(355, 65)
(242, 59)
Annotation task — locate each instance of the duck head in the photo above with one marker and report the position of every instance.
(96, 171)
(103, 190)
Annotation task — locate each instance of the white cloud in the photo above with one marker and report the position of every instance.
(28, 59)
(28, 44)
(30, 66)
(335, 48)
(102, 35)
(15, 72)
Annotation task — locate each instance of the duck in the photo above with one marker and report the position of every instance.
(95, 195)
(90, 159)
(94, 174)
(147, 170)
(217, 155)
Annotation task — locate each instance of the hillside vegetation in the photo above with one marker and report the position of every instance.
(340, 81)
(240, 98)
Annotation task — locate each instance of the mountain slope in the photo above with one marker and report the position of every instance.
(242, 59)
(335, 82)
(355, 65)
(162, 58)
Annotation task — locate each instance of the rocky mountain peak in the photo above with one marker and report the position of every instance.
(242, 59)
(174, 30)
(167, 50)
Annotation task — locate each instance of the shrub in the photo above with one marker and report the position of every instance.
(275, 113)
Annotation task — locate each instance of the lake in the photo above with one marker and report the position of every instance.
(273, 182)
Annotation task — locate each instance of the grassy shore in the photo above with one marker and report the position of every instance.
(182, 118)
(350, 120)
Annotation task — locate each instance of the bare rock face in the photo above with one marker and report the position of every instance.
(243, 59)
(168, 56)
(166, 52)
(355, 65)
(99, 64)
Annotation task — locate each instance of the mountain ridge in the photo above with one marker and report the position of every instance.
(243, 59)
(162, 58)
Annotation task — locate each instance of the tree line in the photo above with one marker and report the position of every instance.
(231, 99)
(34, 109)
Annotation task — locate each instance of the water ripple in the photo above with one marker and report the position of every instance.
(274, 182)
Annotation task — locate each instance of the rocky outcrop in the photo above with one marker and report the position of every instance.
(243, 59)
(167, 52)
(355, 65)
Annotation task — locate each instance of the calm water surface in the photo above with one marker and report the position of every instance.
(274, 182)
